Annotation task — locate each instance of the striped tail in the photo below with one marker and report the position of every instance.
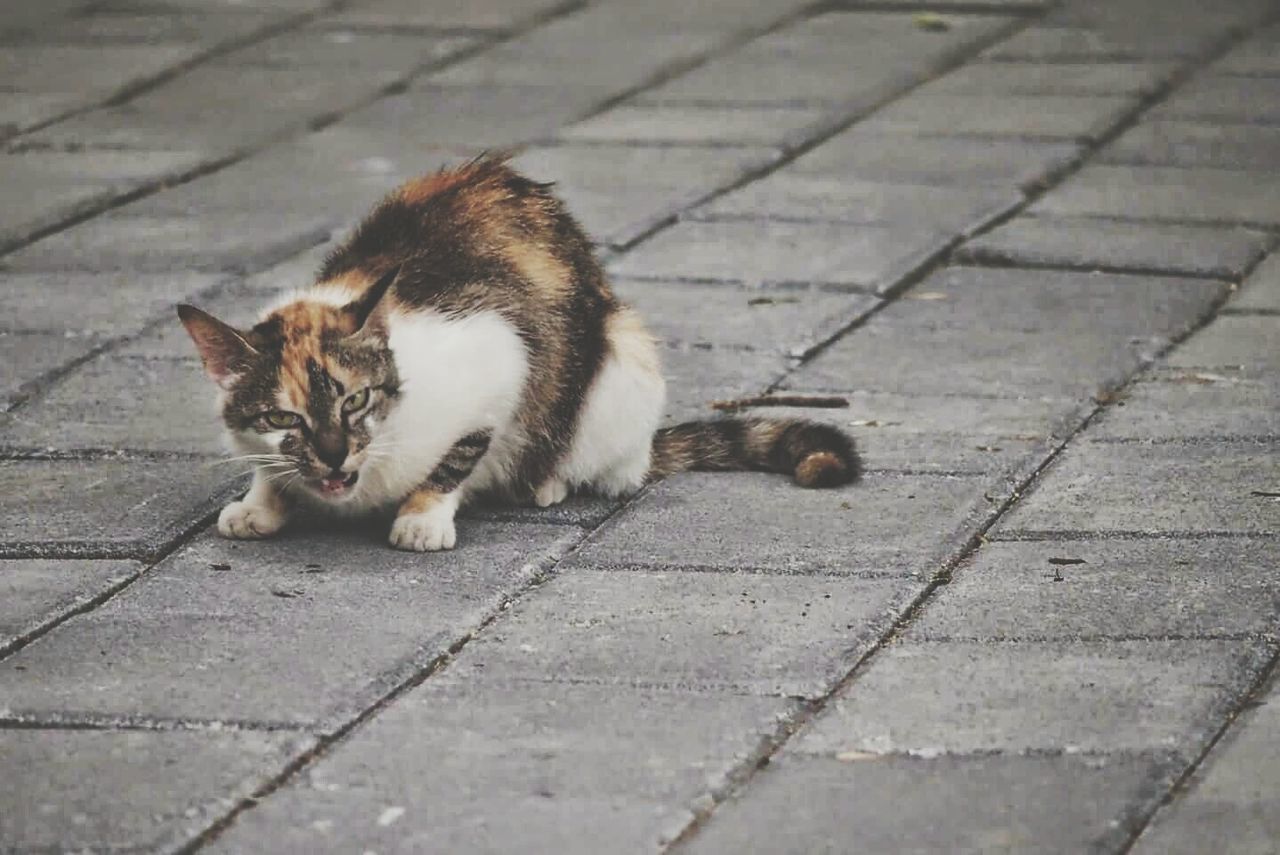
(815, 454)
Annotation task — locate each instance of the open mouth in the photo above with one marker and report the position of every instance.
(337, 485)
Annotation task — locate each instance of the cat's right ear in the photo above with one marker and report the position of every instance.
(223, 350)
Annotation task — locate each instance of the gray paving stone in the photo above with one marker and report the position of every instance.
(83, 302)
(888, 156)
(803, 197)
(1082, 44)
(1232, 800)
(34, 591)
(103, 508)
(484, 116)
(940, 434)
(149, 25)
(1244, 344)
(1148, 696)
(1057, 78)
(189, 616)
(762, 252)
(583, 509)
(25, 357)
(1176, 19)
(698, 376)
(108, 790)
(1118, 588)
(1162, 488)
(1247, 100)
(729, 521)
(674, 123)
(619, 193)
(1224, 252)
(1054, 117)
(20, 111)
(1261, 291)
(97, 69)
(445, 14)
(124, 403)
(754, 633)
(546, 768)
(208, 242)
(1255, 57)
(896, 357)
(806, 805)
(346, 49)
(1188, 403)
(1162, 193)
(789, 321)
(1183, 143)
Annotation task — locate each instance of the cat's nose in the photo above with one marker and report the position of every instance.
(331, 448)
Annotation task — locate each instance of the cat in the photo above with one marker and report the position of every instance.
(464, 342)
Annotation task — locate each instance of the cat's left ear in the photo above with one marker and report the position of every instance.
(223, 349)
(366, 307)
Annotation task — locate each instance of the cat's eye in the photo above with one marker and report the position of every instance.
(356, 401)
(280, 420)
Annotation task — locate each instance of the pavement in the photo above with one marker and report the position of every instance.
(1026, 240)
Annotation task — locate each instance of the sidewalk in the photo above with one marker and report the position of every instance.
(1028, 241)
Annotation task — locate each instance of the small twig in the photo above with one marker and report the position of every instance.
(818, 401)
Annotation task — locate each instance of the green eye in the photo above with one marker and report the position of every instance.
(356, 401)
(281, 420)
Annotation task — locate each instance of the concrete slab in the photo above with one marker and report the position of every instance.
(1199, 588)
(1192, 144)
(1245, 344)
(27, 357)
(1245, 100)
(34, 592)
(697, 377)
(1261, 291)
(731, 521)
(675, 123)
(1057, 78)
(1138, 696)
(191, 615)
(1050, 117)
(1194, 405)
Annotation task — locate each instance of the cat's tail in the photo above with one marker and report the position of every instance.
(815, 454)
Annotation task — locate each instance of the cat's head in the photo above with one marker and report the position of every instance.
(304, 391)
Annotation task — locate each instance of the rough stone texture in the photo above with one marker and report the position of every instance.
(1158, 488)
(245, 240)
(698, 376)
(348, 50)
(189, 615)
(1261, 291)
(618, 194)
(1255, 57)
(103, 507)
(1193, 404)
(1043, 241)
(1232, 799)
(20, 111)
(76, 790)
(98, 70)
(1231, 342)
(1057, 78)
(802, 197)
(805, 805)
(445, 14)
(734, 632)
(542, 767)
(759, 253)
(1152, 696)
(1244, 100)
(34, 591)
(139, 404)
(1162, 193)
(775, 126)
(89, 303)
(1183, 143)
(1081, 44)
(1051, 117)
(775, 526)
(861, 154)
(1126, 588)
(789, 321)
(26, 357)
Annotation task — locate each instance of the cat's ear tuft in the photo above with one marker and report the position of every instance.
(367, 305)
(223, 350)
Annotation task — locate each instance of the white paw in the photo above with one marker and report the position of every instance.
(553, 492)
(243, 521)
(423, 532)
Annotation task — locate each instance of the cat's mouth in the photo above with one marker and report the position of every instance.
(337, 485)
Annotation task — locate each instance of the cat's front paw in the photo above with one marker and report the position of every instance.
(426, 532)
(552, 492)
(243, 521)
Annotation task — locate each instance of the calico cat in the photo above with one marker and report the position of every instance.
(464, 342)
